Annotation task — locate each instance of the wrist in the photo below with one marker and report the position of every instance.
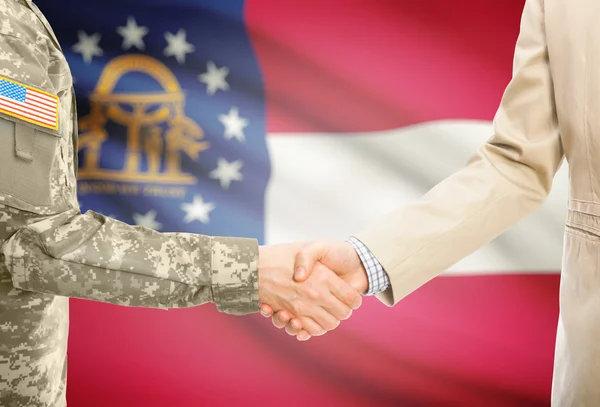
(359, 279)
(363, 279)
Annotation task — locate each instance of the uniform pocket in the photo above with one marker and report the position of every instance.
(28, 170)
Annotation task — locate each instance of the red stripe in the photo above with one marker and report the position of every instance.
(41, 95)
(12, 108)
(42, 109)
(458, 341)
(25, 112)
(28, 106)
(363, 65)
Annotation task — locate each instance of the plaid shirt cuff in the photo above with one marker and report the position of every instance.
(378, 278)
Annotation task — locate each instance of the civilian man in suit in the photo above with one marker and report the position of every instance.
(550, 110)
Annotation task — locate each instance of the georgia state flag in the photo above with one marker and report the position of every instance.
(294, 120)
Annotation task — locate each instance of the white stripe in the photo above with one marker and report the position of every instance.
(42, 99)
(32, 105)
(27, 113)
(41, 108)
(332, 185)
(27, 107)
(41, 95)
(12, 109)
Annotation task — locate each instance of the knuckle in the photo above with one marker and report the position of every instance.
(322, 278)
(313, 294)
(350, 297)
(313, 329)
(334, 307)
(297, 326)
(297, 306)
(294, 326)
(302, 254)
(276, 323)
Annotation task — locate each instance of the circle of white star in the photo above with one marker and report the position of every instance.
(197, 210)
(178, 46)
(214, 78)
(227, 172)
(148, 220)
(234, 124)
(88, 46)
(133, 34)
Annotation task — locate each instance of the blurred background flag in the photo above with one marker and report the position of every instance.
(291, 120)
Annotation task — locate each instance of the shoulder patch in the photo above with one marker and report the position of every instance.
(28, 104)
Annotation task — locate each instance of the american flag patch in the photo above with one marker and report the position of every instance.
(28, 104)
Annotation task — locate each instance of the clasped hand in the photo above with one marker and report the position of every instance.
(310, 288)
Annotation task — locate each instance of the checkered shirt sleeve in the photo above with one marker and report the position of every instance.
(378, 278)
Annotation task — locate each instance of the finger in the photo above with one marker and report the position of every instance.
(306, 258)
(345, 293)
(266, 310)
(313, 328)
(281, 319)
(323, 318)
(335, 295)
(294, 327)
(303, 336)
(334, 307)
(337, 309)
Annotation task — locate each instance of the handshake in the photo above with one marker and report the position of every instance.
(310, 288)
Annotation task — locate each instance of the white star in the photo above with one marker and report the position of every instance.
(178, 46)
(227, 172)
(88, 46)
(214, 78)
(148, 220)
(133, 35)
(234, 124)
(197, 210)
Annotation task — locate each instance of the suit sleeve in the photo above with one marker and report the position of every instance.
(506, 179)
(94, 257)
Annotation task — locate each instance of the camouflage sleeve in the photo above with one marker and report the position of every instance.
(94, 257)
(57, 249)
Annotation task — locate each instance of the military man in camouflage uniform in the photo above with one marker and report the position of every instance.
(51, 251)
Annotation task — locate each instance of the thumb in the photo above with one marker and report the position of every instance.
(306, 259)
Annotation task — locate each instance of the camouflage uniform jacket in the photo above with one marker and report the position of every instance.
(51, 251)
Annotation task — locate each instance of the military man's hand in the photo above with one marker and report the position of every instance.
(319, 303)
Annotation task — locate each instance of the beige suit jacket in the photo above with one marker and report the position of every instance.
(550, 110)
